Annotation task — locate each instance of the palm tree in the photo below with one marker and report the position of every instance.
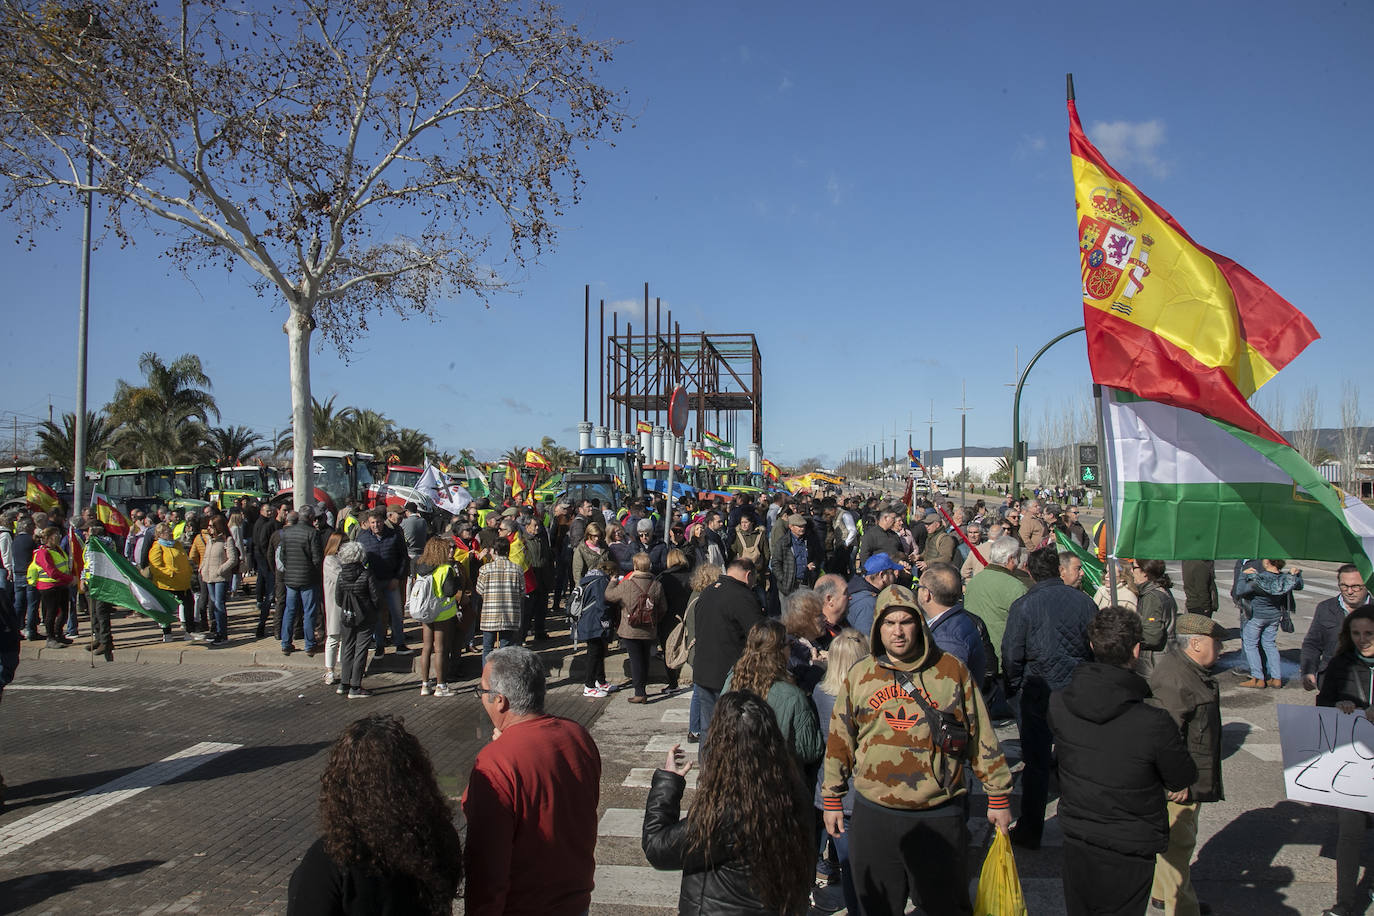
(515, 455)
(558, 456)
(57, 444)
(233, 445)
(409, 445)
(177, 390)
(161, 439)
(366, 430)
(330, 428)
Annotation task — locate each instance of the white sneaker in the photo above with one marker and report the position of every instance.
(443, 690)
(595, 693)
(608, 688)
(329, 677)
(425, 689)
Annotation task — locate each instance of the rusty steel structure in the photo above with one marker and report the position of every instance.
(640, 367)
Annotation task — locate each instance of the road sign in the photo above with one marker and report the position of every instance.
(677, 411)
(915, 457)
(1087, 454)
(1088, 474)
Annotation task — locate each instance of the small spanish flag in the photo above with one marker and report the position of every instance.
(113, 520)
(535, 460)
(40, 496)
(644, 426)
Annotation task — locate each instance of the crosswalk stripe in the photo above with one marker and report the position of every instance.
(621, 822)
(676, 716)
(642, 778)
(639, 885)
(660, 743)
(1270, 753)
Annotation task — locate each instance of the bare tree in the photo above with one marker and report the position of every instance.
(1305, 426)
(1273, 408)
(357, 155)
(1352, 436)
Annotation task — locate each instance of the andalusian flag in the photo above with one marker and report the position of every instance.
(1094, 570)
(535, 460)
(1188, 487)
(110, 577)
(1166, 318)
(113, 520)
(644, 426)
(40, 496)
(718, 445)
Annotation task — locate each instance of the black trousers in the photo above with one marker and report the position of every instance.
(639, 651)
(898, 855)
(1101, 882)
(354, 643)
(1037, 750)
(596, 662)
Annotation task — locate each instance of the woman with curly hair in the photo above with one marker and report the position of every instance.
(762, 670)
(745, 846)
(387, 844)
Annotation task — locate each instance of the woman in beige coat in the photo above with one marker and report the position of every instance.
(641, 601)
(219, 562)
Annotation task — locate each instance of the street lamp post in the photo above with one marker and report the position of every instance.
(1016, 403)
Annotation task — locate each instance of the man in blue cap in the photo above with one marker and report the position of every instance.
(879, 571)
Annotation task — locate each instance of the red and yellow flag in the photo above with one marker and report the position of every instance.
(1167, 319)
(113, 520)
(40, 496)
(771, 470)
(535, 460)
(644, 426)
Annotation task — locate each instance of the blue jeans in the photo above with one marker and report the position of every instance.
(1257, 634)
(295, 598)
(26, 605)
(495, 639)
(219, 615)
(392, 598)
(705, 699)
(266, 586)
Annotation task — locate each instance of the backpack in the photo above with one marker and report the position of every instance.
(677, 651)
(421, 602)
(576, 603)
(641, 615)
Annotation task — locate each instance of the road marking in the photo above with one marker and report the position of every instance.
(1270, 753)
(640, 885)
(621, 822)
(55, 817)
(643, 777)
(660, 743)
(64, 687)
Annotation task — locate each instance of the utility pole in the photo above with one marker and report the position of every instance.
(930, 447)
(963, 441)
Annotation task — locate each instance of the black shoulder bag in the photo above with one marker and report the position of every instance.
(949, 734)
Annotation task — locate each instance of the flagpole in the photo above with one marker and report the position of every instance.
(1108, 522)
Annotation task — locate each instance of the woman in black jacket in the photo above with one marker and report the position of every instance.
(355, 591)
(1348, 686)
(393, 852)
(677, 591)
(745, 848)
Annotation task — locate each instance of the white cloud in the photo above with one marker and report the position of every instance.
(1128, 144)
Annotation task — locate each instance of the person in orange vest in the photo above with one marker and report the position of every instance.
(53, 581)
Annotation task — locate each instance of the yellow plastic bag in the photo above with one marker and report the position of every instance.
(999, 887)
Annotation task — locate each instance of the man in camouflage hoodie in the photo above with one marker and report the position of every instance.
(909, 832)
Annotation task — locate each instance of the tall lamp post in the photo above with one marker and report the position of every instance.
(1016, 404)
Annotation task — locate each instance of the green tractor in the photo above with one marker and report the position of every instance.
(250, 481)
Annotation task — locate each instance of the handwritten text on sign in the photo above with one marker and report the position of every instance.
(1328, 757)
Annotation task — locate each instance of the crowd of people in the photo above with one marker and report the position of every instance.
(848, 658)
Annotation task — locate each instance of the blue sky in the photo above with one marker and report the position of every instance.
(880, 193)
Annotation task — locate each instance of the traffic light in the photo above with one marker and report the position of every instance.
(1088, 474)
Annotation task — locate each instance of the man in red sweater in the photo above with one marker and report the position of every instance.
(531, 801)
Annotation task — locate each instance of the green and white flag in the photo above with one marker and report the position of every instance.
(110, 577)
(1186, 486)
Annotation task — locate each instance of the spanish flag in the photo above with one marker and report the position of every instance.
(113, 520)
(1167, 319)
(40, 496)
(644, 426)
(535, 460)
(771, 470)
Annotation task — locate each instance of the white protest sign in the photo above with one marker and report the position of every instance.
(1328, 757)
